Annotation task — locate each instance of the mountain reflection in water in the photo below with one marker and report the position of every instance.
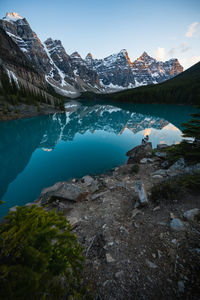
(37, 152)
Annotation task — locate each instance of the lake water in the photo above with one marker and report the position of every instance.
(87, 139)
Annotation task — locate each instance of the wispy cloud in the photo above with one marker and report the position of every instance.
(160, 53)
(192, 29)
(172, 51)
(184, 47)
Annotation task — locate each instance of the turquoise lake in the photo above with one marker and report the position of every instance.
(87, 139)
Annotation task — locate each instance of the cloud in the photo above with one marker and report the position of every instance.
(172, 51)
(180, 48)
(160, 53)
(184, 47)
(192, 29)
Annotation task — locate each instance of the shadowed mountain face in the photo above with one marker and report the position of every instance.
(67, 145)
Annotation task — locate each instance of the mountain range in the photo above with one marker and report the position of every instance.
(71, 75)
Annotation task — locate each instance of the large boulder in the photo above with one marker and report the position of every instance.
(191, 214)
(178, 165)
(139, 152)
(141, 192)
(161, 154)
(61, 191)
(162, 146)
(177, 225)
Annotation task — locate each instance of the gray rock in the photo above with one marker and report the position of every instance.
(151, 160)
(13, 209)
(140, 189)
(119, 274)
(73, 220)
(88, 180)
(30, 204)
(137, 204)
(62, 191)
(150, 264)
(160, 172)
(144, 160)
(181, 286)
(161, 154)
(172, 216)
(162, 223)
(159, 253)
(121, 184)
(157, 176)
(63, 206)
(177, 225)
(139, 152)
(191, 214)
(135, 212)
(109, 258)
(178, 165)
(162, 146)
(96, 196)
(174, 241)
(93, 187)
(156, 208)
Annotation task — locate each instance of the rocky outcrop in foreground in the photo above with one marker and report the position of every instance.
(135, 248)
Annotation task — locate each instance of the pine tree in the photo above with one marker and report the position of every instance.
(40, 257)
(192, 128)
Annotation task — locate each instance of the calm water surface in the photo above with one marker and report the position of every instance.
(87, 139)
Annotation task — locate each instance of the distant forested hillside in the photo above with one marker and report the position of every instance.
(182, 89)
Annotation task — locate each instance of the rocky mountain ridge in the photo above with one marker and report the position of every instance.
(71, 74)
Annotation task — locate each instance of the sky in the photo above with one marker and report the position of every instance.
(163, 28)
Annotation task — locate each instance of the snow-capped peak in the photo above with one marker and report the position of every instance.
(123, 51)
(89, 56)
(49, 40)
(75, 55)
(144, 55)
(13, 16)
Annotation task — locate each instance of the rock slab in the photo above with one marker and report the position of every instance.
(62, 191)
(139, 152)
(177, 225)
(141, 192)
(191, 214)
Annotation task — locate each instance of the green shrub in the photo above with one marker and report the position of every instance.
(173, 189)
(189, 151)
(40, 257)
(165, 192)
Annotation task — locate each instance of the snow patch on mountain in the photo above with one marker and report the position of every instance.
(12, 17)
(11, 76)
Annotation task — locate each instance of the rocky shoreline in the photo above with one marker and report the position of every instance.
(20, 111)
(134, 248)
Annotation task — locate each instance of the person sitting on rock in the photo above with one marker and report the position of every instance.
(145, 140)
